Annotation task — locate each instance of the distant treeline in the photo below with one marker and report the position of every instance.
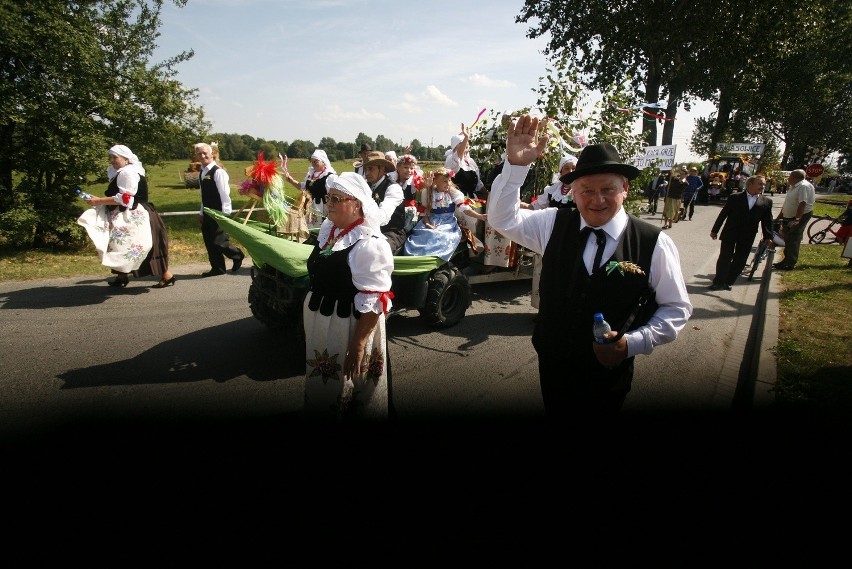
(240, 147)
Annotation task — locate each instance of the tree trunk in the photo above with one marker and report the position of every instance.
(723, 117)
(652, 95)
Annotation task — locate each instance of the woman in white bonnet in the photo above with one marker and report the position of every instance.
(558, 194)
(347, 372)
(125, 228)
(313, 184)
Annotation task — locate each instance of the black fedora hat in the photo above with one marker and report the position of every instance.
(600, 159)
(366, 147)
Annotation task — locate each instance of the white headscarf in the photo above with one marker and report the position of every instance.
(391, 155)
(355, 185)
(125, 152)
(566, 159)
(322, 157)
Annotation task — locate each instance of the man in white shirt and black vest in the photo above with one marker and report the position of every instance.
(630, 272)
(215, 194)
(388, 194)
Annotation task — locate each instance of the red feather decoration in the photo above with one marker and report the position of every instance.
(263, 171)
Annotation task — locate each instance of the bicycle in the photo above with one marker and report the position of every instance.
(823, 230)
(762, 251)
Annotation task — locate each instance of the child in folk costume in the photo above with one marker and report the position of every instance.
(438, 233)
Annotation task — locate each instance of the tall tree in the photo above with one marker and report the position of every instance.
(76, 78)
(650, 44)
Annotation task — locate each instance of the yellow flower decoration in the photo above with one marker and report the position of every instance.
(624, 266)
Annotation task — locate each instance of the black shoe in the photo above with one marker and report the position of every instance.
(238, 262)
(120, 282)
(783, 268)
(165, 282)
(714, 286)
(213, 273)
(778, 265)
(729, 287)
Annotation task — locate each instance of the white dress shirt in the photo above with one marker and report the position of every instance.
(532, 229)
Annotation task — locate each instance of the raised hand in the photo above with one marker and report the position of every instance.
(524, 143)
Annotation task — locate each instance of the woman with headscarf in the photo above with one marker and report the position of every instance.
(465, 170)
(347, 371)
(314, 184)
(558, 194)
(674, 196)
(128, 238)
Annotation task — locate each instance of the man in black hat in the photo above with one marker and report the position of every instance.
(630, 273)
(359, 165)
(388, 194)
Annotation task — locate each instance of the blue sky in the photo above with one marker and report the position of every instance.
(284, 70)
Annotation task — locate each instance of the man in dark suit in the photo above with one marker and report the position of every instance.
(744, 212)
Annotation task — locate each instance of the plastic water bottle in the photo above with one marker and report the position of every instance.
(599, 328)
(83, 194)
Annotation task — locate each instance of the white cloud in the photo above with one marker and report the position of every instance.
(435, 94)
(331, 113)
(407, 106)
(484, 81)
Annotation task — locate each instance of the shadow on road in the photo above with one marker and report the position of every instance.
(221, 353)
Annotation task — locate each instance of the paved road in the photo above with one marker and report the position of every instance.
(180, 394)
(76, 348)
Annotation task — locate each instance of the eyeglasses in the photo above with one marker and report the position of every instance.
(336, 199)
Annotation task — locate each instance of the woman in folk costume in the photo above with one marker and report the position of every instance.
(314, 183)
(559, 193)
(674, 196)
(126, 230)
(556, 195)
(438, 233)
(347, 372)
(465, 170)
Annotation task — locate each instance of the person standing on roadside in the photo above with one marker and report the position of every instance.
(630, 272)
(215, 194)
(742, 214)
(690, 194)
(674, 197)
(795, 214)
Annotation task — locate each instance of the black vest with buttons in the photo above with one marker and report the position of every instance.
(209, 191)
(570, 296)
(397, 220)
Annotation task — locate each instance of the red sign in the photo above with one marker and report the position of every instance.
(814, 170)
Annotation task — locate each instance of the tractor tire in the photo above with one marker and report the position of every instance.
(276, 304)
(447, 298)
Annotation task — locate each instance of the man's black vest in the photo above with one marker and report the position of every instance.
(570, 296)
(397, 220)
(209, 191)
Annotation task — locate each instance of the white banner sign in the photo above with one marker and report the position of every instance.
(740, 147)
(662, 157)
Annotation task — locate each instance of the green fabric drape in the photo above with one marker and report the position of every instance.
(290, 257)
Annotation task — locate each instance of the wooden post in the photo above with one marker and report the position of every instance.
(251, 209)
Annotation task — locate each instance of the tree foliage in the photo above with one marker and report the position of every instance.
(781, 68)
(572, 121)
(75, 79)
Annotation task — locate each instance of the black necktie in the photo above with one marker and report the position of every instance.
(601, 237)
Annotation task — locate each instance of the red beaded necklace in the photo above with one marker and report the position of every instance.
(332, 238)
